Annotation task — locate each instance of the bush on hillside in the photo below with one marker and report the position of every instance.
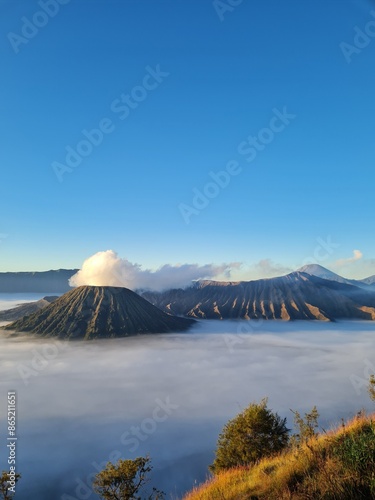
(253, 434)
(125, 481)
(307, 426)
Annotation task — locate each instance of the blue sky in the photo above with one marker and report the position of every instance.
(221, 73)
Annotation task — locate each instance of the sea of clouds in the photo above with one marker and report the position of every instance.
(81, 404)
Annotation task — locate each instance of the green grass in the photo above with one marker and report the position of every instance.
(338, 465)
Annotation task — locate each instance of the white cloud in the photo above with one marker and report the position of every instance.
(270, 268)
(357, 255)
(108, 269)
(265, 268)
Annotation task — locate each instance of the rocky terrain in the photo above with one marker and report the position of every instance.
(90, 312)
(295, 296)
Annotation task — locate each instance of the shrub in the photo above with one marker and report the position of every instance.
(307, 426)
(253, 434)
(5, 493)
(371, 387)
(125, 480)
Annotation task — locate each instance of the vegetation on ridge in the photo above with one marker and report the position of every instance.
(253, 434)
(334, 465)
(256, 460)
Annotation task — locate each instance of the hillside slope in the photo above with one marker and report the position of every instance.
(26, 309)
(338, 465)
(295, 296)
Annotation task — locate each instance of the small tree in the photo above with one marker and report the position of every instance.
(306, 426)
(371, 387)
(125, 480)
(253, 434)
(4, 485)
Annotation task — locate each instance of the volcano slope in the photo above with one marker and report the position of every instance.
(295, 296)
(26, 309)
(90, 312)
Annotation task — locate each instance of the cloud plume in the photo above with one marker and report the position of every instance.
(108, 269)
(357, 255)
(265, 268)
(268, 268)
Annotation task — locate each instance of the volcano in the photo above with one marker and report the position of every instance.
(90, 312)
(295, 296)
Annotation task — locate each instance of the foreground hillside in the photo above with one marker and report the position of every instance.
(338, 465)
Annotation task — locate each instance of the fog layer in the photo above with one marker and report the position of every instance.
(82, 404)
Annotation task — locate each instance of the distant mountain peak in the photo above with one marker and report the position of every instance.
(324, 273)
(316, 268)
(369, 281)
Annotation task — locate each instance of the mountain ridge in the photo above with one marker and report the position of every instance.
(49, 282)
(297, 295)
(57, 281)
(26, 309)
(294, 296)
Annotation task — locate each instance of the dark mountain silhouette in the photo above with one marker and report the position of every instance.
(38, 282)
(369, 281)
(90, 312)
(295, 296)
(26, 309)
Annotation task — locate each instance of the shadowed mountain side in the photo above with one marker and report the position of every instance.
(369, 281)
(295, 296)
(26, 309)
(90, 312)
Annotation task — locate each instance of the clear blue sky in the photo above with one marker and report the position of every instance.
(225, 77)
